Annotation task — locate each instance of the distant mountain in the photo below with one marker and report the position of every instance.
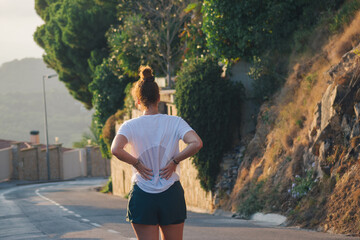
(22, 106)
(26, 76)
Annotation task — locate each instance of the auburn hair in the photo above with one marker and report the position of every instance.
(146, 89)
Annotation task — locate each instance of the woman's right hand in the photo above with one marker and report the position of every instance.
(145, 172)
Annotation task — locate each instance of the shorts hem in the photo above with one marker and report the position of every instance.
(136, 222)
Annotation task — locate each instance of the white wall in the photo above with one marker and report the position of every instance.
(5, 166)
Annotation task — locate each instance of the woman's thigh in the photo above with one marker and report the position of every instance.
(172, 232)
(146, 232)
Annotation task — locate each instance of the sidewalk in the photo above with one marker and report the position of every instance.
(14, 183)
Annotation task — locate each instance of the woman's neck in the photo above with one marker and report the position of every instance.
(151, 110)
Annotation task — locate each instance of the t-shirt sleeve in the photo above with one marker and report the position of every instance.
(125, 131)
(183, 128)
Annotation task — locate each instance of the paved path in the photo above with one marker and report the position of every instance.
(73, 210)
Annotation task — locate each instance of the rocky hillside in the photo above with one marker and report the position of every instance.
(303, 160)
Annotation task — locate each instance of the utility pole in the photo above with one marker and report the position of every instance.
(46, 126)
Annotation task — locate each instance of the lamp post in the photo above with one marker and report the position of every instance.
(46, 126)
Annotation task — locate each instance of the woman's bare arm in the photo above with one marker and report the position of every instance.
(194, 144)
(117, 149)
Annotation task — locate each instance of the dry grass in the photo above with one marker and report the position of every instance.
(340, 44)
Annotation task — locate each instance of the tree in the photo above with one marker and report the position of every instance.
(131, 46)
(73, 38)
(108, 92)
(92, 136)
(247, 28)
(158, 24)
(192, 34)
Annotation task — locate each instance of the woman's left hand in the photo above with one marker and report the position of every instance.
(168, 170)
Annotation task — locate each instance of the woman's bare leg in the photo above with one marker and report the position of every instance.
(172, 232)
(146, 232)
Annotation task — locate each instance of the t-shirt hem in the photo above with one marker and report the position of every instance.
(141, 186)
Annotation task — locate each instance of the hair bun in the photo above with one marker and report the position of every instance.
(146, 73)
(149, 79)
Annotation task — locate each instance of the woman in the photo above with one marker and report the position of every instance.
(156, 200)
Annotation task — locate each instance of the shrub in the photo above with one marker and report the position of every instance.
(254, 202)
(108, 130)
(210, 104)
(266, 80)
(302, 185)
(344, 16)
(311, 80)
(108, 188)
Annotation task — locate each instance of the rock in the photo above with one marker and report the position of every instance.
(326, 227)
(309, 159)
(329, 106)
(345, 126)
(357, 110)
(316, 123)
(355, 130)
(357, 96)
(324, 146)
(227, 162)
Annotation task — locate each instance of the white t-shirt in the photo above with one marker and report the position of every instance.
(154, 140)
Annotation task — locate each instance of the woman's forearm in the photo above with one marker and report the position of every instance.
(190, 150)
(124, 156)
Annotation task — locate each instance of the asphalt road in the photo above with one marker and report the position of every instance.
(74, 210)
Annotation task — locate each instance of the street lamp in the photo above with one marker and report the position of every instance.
(46, 126)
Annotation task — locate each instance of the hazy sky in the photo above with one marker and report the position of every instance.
(18, 22)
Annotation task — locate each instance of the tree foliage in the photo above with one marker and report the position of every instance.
(108, 96)
(210, 104)
(246, 28)
(130, 46)
(92, 136)
(150, 35)
(73, 38)
(192, 35)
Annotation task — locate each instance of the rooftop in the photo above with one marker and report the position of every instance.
(7, 143)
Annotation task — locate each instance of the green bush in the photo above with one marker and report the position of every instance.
(108, 188)
(266, 80)
(254, 201)
(302, 185)
(210, 104)
(344, 15)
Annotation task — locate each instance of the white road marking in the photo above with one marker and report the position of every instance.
(95, 224)
(71, 212)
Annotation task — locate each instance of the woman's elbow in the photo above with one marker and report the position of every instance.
(199, 144)
(114, 151)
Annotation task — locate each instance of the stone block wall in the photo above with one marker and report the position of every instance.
(99, 166)
(31, 164)
(28, 165)
(5, 164)
(121, 174)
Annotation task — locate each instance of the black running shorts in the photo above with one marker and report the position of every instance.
(163, 208)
